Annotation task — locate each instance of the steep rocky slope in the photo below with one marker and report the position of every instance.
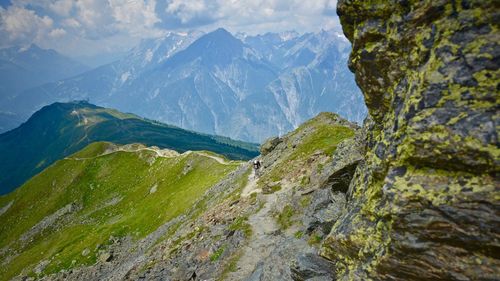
(101, 222)
(424, 202)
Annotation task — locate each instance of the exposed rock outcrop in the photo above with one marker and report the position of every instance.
(424, 202)
(269, 145)
(309, 266)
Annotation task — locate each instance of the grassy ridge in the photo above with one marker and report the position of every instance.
(61, 129)
(117, 194)
(319, 135)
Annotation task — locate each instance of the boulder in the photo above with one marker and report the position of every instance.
(269, 145)
(338, 174)
(309, 266)
(324, 209)
(106, 257)
(257, 273)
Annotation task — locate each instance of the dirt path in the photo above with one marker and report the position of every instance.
(263, 239)
(220, 160)
(167, 153)
(251, 186)
(160, 153)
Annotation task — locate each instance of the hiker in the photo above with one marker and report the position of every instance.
(256, 167)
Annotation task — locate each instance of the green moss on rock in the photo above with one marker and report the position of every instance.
(424, 200)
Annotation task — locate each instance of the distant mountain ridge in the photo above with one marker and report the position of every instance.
(22, 68)
(61, 129)
(249, 88)
(33, 66)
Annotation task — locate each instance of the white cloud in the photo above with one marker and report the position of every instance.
(136, 17)
(58, 32)
(253, 16)
(92, 25)
(19, 25)
(94, 18)
(187, 10)
(62, 7)
(72, 23)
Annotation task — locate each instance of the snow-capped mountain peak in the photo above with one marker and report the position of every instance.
(245, 87)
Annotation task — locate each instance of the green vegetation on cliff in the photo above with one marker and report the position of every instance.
(315, 138)
(68, 215)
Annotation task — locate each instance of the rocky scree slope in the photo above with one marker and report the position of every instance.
(104, 203)
(424, 202)
(270, 231)
(61, 129)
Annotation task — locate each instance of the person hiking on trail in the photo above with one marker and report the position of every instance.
(256, 167)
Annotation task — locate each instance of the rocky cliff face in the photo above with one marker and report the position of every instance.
(423, 204)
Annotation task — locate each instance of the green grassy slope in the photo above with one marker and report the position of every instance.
(318, 137)
(97, 196)
(61, 129)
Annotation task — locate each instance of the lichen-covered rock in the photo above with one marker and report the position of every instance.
(338, 174)
(308, 266)
(424, 203)
(324, 209)
(269, 145)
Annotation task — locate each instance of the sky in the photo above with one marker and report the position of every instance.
(91, 27)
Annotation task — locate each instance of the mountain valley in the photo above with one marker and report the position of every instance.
(247, 89)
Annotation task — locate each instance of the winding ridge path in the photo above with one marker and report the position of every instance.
(166, 153)
(251, 186)
(263, 240)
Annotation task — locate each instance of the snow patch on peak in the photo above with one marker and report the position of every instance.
(288, 35)
(23, 49)
(149, 56)
(124, 77)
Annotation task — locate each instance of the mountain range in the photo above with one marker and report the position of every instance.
(244, 87)
(26, 67)
(60, 129)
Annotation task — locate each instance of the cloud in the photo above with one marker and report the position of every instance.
(89, 26)
(252, 16)
(135, 17)
(19, 25)
(58, 32)
(186, 11)
(62, 7)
